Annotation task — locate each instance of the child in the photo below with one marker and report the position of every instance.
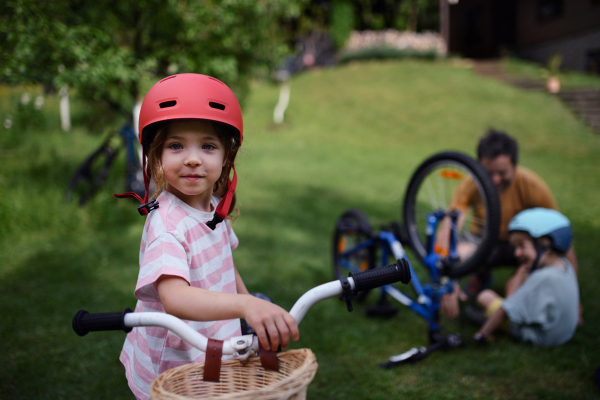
(542, 298)
(191, 128)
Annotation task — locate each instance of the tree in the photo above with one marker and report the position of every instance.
(418, 15)
(113, 51)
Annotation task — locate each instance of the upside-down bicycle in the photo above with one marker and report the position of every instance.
(449, 242)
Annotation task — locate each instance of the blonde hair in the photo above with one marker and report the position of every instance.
(227, 137)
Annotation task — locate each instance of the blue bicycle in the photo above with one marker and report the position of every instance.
(449, 242)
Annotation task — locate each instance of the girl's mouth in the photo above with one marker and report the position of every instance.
(192, 178)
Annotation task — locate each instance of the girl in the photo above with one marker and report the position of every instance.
(191, 128)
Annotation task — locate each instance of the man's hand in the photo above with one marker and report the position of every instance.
(449, 302)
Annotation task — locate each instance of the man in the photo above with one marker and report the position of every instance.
(518, 189)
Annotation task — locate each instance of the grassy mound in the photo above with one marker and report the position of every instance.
(352, 137)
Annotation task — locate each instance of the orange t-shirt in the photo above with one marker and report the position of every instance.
(527, 190)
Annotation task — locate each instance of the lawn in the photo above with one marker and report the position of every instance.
(351, 139)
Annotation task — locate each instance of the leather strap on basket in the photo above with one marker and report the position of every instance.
(268, 358)
(212, 365)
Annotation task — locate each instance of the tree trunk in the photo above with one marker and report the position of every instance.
(413, 16)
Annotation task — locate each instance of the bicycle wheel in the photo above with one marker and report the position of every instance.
(435, 185)
(352, 228)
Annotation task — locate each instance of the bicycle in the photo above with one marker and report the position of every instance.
(94, 170)
(282, 376)
(429, 224)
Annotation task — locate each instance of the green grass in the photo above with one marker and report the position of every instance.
(352, 137)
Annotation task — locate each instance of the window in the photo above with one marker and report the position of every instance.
(549, 9)
(593, 61)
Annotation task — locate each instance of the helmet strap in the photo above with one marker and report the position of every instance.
(540, 251)
(223, 207)
(145, 207)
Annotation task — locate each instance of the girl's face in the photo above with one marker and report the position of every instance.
(192, 160)
(524, 250)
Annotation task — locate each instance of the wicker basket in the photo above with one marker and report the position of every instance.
(297, 369)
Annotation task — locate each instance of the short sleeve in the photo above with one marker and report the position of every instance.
(534, 303)
(233, 240)
(164, 256)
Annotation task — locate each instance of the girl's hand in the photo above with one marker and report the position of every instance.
(270, 322)
(525, 268)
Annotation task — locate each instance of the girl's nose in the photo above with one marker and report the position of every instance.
(193, 159)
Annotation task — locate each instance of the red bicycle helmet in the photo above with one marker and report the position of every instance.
(187, 96)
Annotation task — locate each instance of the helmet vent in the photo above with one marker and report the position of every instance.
(218, 106)
(216, 80)
(167, 104)
(167, 78)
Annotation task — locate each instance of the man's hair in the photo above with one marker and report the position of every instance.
(496, 143)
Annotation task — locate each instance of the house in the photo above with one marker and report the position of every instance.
(532, 29)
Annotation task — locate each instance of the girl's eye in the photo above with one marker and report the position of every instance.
(208, 146)
(175, 146)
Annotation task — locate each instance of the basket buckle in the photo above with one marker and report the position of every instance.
(244, 356)
(244, 347)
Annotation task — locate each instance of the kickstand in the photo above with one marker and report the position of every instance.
(415, 354)
(382, 308)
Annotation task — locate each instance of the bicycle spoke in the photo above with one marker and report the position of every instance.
(434, 186)
(443, 193)
(432, 195)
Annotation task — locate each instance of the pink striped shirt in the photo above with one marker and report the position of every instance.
(176, 241)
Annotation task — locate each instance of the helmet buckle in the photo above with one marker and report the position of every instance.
(145, 208)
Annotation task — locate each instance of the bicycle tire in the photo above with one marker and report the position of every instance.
(453, 169)
(92, 173)
(353, 226)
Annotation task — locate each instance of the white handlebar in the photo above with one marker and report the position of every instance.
(239, 344)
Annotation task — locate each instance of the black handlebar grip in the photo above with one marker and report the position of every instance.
(84, 322)
(398, 272)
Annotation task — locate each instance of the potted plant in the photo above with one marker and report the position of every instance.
(553, 83)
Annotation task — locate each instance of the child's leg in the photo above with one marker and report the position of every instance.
(486, 298)
(491, 301)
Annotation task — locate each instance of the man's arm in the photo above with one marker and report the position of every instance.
(573, 260)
